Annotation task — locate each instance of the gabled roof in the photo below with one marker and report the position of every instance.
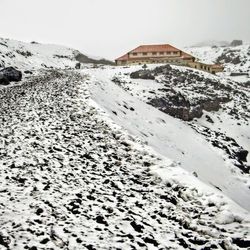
(154, 48)
(122, 58)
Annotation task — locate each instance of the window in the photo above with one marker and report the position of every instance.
(134, 54)
(144, 53)
(161, 53)
(175, 52)
(154, 53)
(168, 53)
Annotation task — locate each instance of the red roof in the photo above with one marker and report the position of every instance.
(123, 58)
(154, 48)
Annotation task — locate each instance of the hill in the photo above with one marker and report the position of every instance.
(88, 161)
(28, 56)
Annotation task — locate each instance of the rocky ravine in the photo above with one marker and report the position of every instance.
(69, 179)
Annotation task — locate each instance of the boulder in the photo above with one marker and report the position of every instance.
(3, 80)
(142, 74)
(242, 155)
(11, 74)
(78, 65)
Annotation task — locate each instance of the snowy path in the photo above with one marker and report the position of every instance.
(72, 179)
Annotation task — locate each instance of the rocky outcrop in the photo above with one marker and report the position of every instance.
(10, 74)
(184, 94)
(142, 74)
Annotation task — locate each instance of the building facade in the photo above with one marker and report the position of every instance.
(164, 53)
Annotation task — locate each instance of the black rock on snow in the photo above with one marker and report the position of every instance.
(11, 74)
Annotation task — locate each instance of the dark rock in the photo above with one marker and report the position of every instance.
(28, 72)
(11, 74)
(241, 242)
(44, 241)
(209, 119)
(78, 65)
(151, 241)
(242, 155)
(39, 211)
(3, 80)
(239, 74)
(137, 227)
(100, 219)
(142, 74)
(33, 248)
(171, 199)
(235, 43)
(4, 242)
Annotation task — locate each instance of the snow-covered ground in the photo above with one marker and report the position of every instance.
(169, 136)
(235, 59)
(28, 56)
(71, 178)
(85, 164)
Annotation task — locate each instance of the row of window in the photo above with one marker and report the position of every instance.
(155, 53)
(161, 61)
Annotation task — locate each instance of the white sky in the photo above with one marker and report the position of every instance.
(109, 28)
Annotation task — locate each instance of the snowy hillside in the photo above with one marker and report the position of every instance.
(235, 59)
(88, 162)
(173, 138)
(28, 56)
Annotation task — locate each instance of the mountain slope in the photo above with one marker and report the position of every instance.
(235, 59)
(86, 165)
(169, 136)
(28, 56)
(70, 178)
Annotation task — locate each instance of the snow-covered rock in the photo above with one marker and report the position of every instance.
(87, 164)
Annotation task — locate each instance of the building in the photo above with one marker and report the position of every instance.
(164, 53)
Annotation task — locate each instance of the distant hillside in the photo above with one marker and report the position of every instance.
(211, 43)
(235, 59)
(85, 59)
(35, 55)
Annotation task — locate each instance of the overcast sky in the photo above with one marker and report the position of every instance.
(109, 28)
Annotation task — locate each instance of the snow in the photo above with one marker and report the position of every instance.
(210, 54)
(41, 55)
(168, 136)
(86, 165)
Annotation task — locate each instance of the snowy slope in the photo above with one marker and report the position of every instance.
(86, 165)
(234, 59)
(28, 56)
(71, 178)
(168, 136)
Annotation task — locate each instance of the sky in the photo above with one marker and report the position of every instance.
(110, 28)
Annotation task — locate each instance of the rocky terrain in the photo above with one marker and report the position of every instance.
(186, 94)
(84, 166)
(183, 94)
(70, 179)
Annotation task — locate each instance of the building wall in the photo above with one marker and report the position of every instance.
(171, 60)
(154, 54)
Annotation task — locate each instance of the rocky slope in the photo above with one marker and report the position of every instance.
(71, 179)
(86, 163)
